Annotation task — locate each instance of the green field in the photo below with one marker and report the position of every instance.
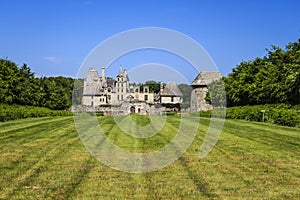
(43, 158)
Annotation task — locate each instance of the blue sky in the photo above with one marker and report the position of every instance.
(54, 37)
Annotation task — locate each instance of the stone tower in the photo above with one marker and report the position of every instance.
(122, 84)
(200, 89)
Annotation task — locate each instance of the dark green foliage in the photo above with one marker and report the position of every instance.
(216, 94)
(77, 92)
(99, 114)
(8, 80)
(172, 105)
(281, 114)
(12, 112)
(153, 86)
(20, 86)
(201, 114)
(57, 92)
(272, 79)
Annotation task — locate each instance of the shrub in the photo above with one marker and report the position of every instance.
(13, 112)
(281, 114)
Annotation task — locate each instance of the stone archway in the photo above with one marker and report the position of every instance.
(132, 109)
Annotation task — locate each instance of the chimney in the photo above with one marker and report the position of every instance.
(161, 87)
(103, 74)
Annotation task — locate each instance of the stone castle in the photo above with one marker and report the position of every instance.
(101, 92)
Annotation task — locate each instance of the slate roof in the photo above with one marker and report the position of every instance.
(205, 78)
(92, 76)
(171, 89)
(93, 84)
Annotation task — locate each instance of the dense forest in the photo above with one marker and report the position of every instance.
(20, 86)
(273, 79)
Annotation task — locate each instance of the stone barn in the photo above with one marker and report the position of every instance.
(170, 94)
(200, 89)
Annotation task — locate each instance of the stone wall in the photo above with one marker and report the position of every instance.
(200, 89)
(198, 101)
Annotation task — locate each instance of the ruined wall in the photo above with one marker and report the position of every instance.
(198, 101)
(200, 90)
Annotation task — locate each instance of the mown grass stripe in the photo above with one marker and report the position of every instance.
(247, 166)
(237, 167)
(29, 169)
(21, 123)
(78, 177)
(269, 139)
(231, 169)
(7, 133)
(200, 184)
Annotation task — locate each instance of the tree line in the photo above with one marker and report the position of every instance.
(273, 79)
(20, 86)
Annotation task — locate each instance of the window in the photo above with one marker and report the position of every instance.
(118, 97)
(172, 99)
(146, 90)
(136, 90)
(146, 97)
(121, 97)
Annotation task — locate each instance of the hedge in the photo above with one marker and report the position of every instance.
(13, 112)
(281, 114)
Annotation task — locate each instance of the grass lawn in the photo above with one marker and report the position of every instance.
(43, 158)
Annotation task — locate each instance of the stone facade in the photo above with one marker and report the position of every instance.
(200, 89)
(100, 91)
(125, 98)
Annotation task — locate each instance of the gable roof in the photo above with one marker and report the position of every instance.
(205, 78)
(171, 89)
(92, 76)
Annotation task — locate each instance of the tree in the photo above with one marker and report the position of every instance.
(153, 86)
(8, 80)
(216, 95)
(275, 78)
(20, 86)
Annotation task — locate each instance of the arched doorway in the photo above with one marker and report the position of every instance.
(132, 109)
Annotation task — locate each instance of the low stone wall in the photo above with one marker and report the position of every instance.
(124, 109)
